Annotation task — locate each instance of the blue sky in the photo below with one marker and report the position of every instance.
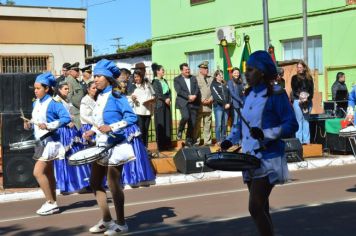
(108, 19)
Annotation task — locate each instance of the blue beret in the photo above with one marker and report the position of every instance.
(262, 61)
(106, 68)
(46, 78)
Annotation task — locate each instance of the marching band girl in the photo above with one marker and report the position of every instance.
(47, 116)
(87, 105)
(268, 111)
(69, 178)
(112, 113)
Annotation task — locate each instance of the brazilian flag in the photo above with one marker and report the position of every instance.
(245, 54)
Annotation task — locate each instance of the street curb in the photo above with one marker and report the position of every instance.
(182, 178)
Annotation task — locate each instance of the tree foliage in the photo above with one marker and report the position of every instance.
(135, 46)
(10, 2)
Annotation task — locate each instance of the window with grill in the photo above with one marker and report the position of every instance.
(293, 49)
(23, 64)
(195, 58)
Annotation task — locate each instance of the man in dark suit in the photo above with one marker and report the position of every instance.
(187, 101)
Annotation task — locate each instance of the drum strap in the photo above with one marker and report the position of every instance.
(43, 137)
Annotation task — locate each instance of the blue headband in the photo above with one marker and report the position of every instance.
(46, 78)
(262, 61)
(106, 68)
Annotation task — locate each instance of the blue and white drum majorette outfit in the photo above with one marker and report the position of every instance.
(139, 172)
(70, 178)
(351, 109)
(87, 105)
(54, 115)
(275, 116)
(116, 112)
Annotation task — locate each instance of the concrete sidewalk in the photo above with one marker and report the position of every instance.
(178, 178)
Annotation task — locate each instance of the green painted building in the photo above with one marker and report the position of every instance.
(186, 31)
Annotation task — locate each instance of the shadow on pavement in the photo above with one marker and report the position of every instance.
(150, 218)
(327, 219)
(80, 204)
(46, 231)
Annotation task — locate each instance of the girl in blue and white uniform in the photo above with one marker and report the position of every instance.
(111, 115)
(47, 116)
(351, 109)
(69, 178)
(271, 118)
(87, 105)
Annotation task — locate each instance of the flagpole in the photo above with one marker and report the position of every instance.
(305, 32)
(265, 24)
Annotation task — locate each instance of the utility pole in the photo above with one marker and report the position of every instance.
(305, 32)
(265, 24)
(118, 44)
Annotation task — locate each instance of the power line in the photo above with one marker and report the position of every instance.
(101, 3)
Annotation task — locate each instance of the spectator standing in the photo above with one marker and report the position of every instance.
(303, 91)
(162, 108)
(236, 88)
(205, 110)
(221, 105)
(187, 101)
(141, 96)
(76, 93)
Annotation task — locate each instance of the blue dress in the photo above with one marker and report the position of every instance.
(139, 172)
(71, 178)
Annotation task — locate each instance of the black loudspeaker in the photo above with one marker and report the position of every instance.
(12, 130)
(18, 170)
(338, 144)
(17, 164)
(191, 160)
(293, 150)
(16, 92)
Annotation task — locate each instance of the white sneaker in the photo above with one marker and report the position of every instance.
(48, 209)
(101, 226)
(115, 229)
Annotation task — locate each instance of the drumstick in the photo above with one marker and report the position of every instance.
(96, 126)
(28, 120)
(342, 109)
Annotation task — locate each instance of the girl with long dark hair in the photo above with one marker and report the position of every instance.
(162, 108)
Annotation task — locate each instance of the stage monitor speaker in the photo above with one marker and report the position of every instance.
(12, 130)
(191, 160)
(18, 170)
(293, 150)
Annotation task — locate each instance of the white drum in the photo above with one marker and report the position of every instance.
(22, 145)
(349, 131)
(87, 155)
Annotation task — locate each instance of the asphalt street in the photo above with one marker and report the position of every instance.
(316, 202)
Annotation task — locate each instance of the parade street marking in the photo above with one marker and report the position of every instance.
(185, 197)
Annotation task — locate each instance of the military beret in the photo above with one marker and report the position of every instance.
(204, 64)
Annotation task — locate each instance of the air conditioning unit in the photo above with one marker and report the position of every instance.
(226, 32)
